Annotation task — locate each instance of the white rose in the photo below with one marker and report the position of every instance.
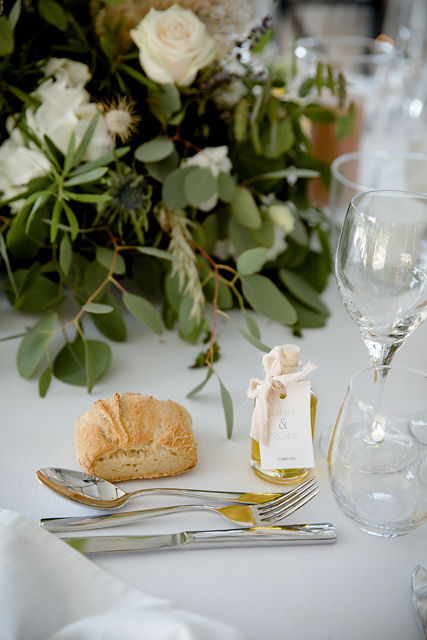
(65, 108)
(173, 45)
(216, 160)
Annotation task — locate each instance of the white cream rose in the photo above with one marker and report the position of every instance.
(173, 45)
(65, 108)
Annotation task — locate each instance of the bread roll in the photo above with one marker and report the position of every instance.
(135, 436)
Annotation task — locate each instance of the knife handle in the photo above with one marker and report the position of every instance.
(297, 534)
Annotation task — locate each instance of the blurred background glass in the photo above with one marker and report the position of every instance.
(361, 171)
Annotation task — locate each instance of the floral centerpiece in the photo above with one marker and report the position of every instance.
(150, 161)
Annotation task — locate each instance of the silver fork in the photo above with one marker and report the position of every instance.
(248, 515)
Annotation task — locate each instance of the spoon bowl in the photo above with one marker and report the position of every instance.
(92, 491)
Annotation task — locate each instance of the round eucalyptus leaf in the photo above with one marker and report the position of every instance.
(251, 261)
(244, 209)
(200, 185)
(173, 192)
(155, 150)
(70, 363)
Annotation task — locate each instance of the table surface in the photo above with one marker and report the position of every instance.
(359, 587)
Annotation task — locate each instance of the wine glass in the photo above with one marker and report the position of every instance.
(381, 268)
(381, 487)
(381, 271)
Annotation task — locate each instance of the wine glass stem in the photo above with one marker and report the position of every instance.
(382, 355)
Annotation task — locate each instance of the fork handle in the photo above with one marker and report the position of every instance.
(240, 497)
(114, 519)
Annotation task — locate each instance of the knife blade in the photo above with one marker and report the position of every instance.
(319, 533)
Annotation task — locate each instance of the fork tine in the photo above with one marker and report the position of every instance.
(287, 497)
(283, 504)
(290, 508)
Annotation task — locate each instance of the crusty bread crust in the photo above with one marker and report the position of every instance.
(135, 436)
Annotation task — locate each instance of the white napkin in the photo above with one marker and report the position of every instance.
(49, 591)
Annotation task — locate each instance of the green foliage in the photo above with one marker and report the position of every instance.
(140, 225)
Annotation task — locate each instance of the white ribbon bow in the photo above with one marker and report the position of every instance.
(265, 390)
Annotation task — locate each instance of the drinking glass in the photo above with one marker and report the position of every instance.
(381, 486)
(381, 271)
(353, 173)
(365, 64)
(381, 268)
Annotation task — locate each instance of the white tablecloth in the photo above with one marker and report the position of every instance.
(358, 588)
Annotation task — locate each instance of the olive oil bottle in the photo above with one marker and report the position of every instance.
(292, 411)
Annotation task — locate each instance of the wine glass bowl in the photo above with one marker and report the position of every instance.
(381, 486)
(381, 268)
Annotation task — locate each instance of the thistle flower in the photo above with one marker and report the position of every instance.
(120, 119)
(185, 263)
(130, 200)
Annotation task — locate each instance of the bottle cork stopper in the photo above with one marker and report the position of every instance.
(291, 353)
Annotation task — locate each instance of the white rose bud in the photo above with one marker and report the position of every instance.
(173, 45)
(281, 215)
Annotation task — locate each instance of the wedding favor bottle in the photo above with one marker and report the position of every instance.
(283, 417)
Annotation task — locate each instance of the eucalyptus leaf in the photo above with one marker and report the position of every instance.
(111, 325)
(44, 382)
(160, 170)
(96, 307)
(39, 293)
(70, 363)
(33, 346)
(154, 150)
(227, 405)
(164, 100)
(240, 237)
(200, 185)
(244, 209)
(302, 291)
(226, 187)
(251, 261)
(108, 258)
(251, 324)
(143, 311)
(308, 318)
(173, 192)
(265, 298)
(200, 386)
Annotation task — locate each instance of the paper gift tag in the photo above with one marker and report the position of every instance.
(290, 444)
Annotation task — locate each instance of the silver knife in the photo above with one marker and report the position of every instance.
(288, 535)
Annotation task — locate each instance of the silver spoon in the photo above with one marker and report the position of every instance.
(95, 492)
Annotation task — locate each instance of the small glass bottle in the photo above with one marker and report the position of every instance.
(286, 475)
